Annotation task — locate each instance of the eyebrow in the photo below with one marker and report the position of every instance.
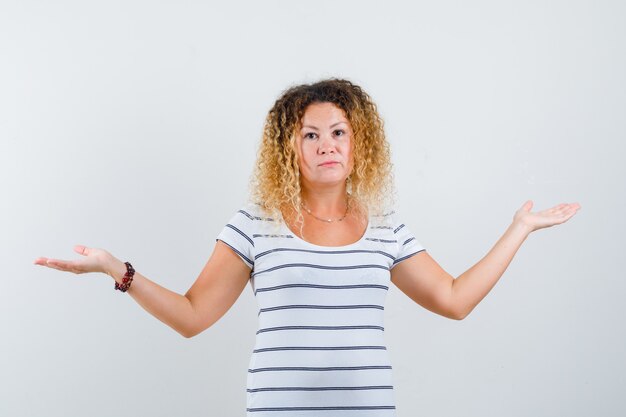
(313, 127)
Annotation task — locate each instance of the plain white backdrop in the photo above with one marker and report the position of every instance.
(133, 126)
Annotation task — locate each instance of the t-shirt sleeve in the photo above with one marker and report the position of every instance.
(408, 245)
(238, 234)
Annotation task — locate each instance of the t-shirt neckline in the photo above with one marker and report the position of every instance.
(299, 239)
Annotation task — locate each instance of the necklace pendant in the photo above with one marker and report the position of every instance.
(327, 220)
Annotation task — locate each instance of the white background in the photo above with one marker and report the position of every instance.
(133, 126)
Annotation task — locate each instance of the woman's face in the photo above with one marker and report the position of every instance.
(324, 145)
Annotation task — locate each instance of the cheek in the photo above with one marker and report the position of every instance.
(348, 150)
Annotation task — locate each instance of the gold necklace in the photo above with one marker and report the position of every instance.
(328, 220)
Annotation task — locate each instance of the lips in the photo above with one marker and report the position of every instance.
(328, 163)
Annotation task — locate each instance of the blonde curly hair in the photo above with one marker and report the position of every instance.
(275, 182)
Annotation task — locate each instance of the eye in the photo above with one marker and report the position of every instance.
(307, 135)
(339, 130)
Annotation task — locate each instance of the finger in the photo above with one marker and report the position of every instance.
(40, 261)
(561, 208)
(567, 210)
(567, 213)
(571, 211)
(528, 205)
(62, 265)
(563, 218)
(558, 207)
(51, 263)
(83, 250)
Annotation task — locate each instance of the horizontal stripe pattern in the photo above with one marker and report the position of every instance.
(318, 266)
(362, 407)
(320, 348)
(320, 388)
(318, 286)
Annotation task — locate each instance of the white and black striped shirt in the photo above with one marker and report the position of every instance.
(320, 343)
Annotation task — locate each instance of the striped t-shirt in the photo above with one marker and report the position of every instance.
(320, 347)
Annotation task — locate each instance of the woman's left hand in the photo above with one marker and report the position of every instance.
(545, 218)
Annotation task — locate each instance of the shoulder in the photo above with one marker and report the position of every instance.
(384, 219)
(253, 218)
(254, 212)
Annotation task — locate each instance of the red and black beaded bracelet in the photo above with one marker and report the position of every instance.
(128, 278)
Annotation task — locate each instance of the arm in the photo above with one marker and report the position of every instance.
(425, 282)
(474, 284)
(213, 293)
(216, 289)
(169, 307)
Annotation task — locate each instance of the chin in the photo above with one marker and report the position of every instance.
(335, 180)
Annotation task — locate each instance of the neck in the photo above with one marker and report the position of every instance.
(329, 202)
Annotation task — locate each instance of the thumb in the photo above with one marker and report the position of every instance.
(83, 250)
(527, 205)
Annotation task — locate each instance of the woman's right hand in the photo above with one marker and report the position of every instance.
(93, 260)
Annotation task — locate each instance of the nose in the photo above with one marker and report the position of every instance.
(326, 145)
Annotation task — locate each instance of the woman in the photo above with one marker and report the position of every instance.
(319, 245)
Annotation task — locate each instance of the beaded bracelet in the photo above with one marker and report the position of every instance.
(127, 280)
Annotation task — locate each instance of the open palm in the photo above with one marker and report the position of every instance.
(545, 218)
(93, 260)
